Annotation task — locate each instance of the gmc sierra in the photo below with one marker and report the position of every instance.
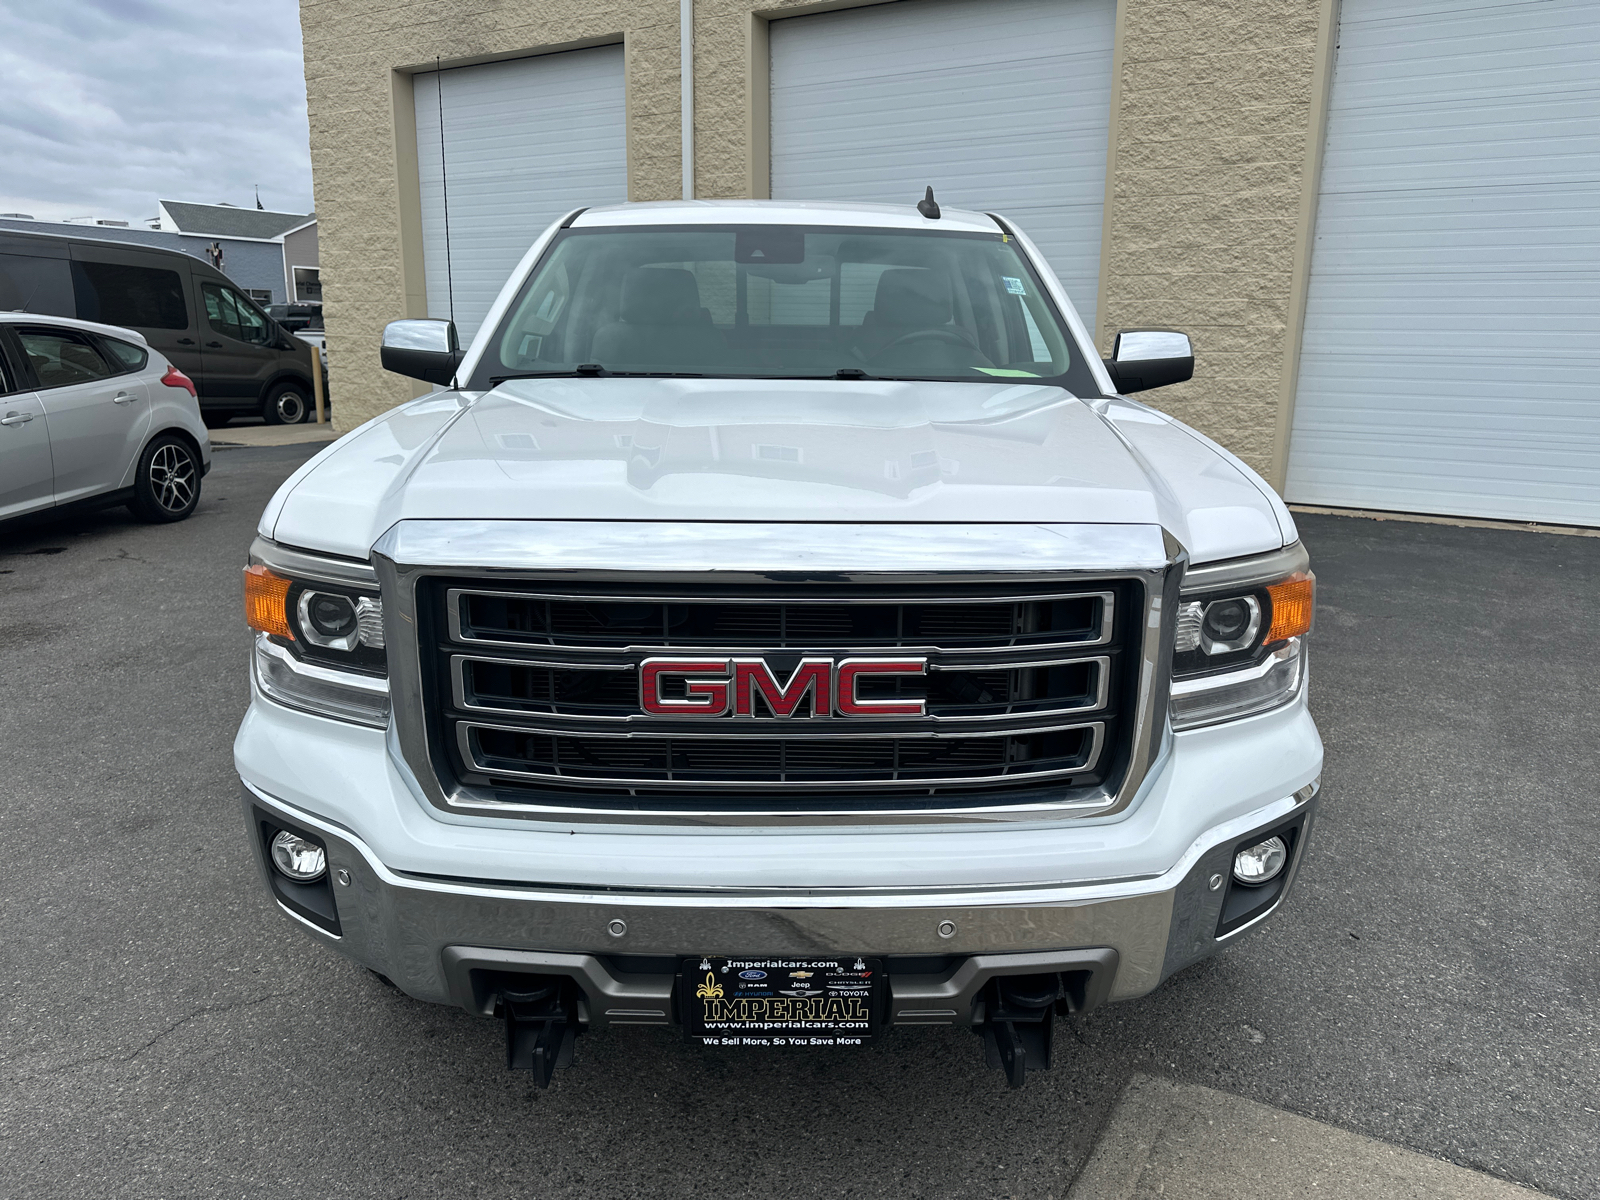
(778, 624)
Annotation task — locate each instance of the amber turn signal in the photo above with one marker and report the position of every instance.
(266, 602)
(1293, 602)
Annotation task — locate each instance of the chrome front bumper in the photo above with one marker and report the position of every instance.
(434, 937)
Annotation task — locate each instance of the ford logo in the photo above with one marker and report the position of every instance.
(752, 974)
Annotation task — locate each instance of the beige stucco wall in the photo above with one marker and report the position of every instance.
(358, 56)
(1218, 111)
(1215, 144)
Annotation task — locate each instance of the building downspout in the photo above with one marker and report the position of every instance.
(686, 78)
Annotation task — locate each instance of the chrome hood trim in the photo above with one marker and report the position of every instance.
(759, 549)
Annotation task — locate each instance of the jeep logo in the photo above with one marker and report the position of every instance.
(747, 687)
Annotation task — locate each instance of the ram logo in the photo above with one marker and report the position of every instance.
(748, 687)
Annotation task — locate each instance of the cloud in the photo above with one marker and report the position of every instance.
(108, 105)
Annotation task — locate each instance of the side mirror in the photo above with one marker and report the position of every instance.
(424, 349)
(1150, 358)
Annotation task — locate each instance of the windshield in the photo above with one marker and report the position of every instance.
(784, 302)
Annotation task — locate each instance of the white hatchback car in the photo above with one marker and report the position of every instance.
(91, 416)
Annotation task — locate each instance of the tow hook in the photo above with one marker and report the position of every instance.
(541, 1026)
(1019, 1020)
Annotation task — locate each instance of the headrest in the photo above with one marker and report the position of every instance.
(660, 296)
(912, 298)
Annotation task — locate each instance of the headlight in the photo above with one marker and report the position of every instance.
(325, 691)
(1234, 694)
(319, 645)
(335, 621)
(1239, 646)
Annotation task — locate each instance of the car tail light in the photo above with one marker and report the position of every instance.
(176, 378)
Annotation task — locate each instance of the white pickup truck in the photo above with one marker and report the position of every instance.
(782, 627)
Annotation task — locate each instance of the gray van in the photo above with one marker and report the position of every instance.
(243, 362)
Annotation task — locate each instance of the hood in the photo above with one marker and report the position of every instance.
(777, 450)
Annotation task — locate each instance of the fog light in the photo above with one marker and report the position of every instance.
(1261, 862)
(300, 860)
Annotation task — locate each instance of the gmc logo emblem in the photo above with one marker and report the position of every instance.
(746, 687)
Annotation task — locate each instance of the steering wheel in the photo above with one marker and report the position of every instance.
(947, 334)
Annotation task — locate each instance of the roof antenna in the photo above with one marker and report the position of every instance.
(444, 184)
(927, 206)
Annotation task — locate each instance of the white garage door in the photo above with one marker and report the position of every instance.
(1451, 361)
(1002, 105)
(524, 142)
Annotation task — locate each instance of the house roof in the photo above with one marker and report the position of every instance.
(223, 220)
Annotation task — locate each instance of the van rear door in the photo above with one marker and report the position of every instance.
(153, 293)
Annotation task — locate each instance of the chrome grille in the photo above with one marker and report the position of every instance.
(578, 622)
(534, 687)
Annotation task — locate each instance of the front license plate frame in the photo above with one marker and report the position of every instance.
(767, 1001)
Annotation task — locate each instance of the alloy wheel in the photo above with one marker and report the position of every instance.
(172, 478)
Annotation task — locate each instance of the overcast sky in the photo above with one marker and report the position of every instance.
(108, 105)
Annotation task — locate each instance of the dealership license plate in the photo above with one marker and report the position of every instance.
(782, 1001)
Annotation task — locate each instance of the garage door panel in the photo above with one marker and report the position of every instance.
(1548, 230)
(525, 141)
(1478, 45)
(1463, 407)
(1000, 105)
(1450, 360)
(886, 42)
(1467, 143)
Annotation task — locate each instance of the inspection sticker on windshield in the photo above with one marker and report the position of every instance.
(1013, 285)
(781, 1001)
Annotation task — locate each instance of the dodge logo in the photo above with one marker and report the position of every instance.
(746, 687)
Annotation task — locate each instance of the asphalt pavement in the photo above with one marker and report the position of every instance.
(168, 1034)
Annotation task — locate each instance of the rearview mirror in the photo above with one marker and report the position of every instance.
(1150, 358)
(424, 349)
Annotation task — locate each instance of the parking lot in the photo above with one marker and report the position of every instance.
(167, 1033)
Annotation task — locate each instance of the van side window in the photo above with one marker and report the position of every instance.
(29, 283)
(141, 297)
(62, 357)
(231, 314)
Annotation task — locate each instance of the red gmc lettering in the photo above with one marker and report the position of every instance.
(714, 686)
(705, 697)
(845, 702)
(752, 676)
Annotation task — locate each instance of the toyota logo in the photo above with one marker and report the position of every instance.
(747, 687)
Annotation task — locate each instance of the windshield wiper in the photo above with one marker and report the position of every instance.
(591, 370)
(497, 380)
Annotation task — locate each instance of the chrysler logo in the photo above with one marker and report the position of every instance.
(747, 687)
